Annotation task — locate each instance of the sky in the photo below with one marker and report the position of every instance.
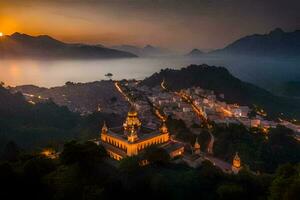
(174, 24)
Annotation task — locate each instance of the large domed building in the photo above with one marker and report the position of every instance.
(132, 138)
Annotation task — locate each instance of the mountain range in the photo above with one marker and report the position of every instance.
(276, 43)
(20, 45)
(147, 51)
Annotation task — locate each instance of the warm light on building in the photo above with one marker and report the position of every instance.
(197, 147)
(236, 164)
(132, 138)
(49, 153)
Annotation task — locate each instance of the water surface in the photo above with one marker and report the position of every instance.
(262, 72)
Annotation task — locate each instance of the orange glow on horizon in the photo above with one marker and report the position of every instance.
(1, 34)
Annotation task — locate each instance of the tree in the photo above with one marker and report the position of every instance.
(87, 155)
(11, 152)
(230, 192)
(69, 83)
(286, 183)
(109, 75)
(156, 155)
(129, 164)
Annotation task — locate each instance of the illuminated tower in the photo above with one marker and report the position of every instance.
(164, 129)
(197, 147)
(132, 120)
(236, 164)
(104, 128)
(132, 136)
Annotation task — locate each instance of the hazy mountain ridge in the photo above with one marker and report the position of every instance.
(221, 81)
(147, 51)
(20, 45)
(195, 53)
(275, 43)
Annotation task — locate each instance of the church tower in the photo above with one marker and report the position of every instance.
(104, 128)
(236, 164)
(132, 120)
(164, 129)
(197, 148)
(132, 125)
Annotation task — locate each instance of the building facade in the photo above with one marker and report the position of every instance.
(132, 138)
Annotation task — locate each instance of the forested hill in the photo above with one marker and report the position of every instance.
(221, 81)
(35, 126)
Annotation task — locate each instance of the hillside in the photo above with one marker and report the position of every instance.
(221, 81)
(291, 89)
(35, 126)
(20, 45)
(81, 97)
(275, 43)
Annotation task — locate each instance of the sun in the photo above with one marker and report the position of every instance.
(1, 34)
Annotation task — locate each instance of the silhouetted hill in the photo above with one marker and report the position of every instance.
(291, 89)
(147, 51)
(20, 45)
(275, 43)
(221, 81)
(195, 53)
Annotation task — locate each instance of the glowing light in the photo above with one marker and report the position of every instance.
(1, 34)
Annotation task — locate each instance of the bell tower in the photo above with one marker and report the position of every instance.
(132, 120)
(104, 128)
(236, 163)
(164, 129)
(197, 147)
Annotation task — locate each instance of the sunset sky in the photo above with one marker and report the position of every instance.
(177, 24)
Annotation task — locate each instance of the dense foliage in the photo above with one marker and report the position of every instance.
(83, 172)
(178, 128)
(260, 151)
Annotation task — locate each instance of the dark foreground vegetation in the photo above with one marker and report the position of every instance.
(260, 151)
(34, 126)
(83, 172)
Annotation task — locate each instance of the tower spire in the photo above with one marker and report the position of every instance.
(104, 128)
(132, 120)
(197, 147)
(236, 163)
(164, 128)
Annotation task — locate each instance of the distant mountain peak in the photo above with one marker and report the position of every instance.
(148, 46)
(277, 31)
(276, 43)
(20, 45)
(18, 35)
(195, 52)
